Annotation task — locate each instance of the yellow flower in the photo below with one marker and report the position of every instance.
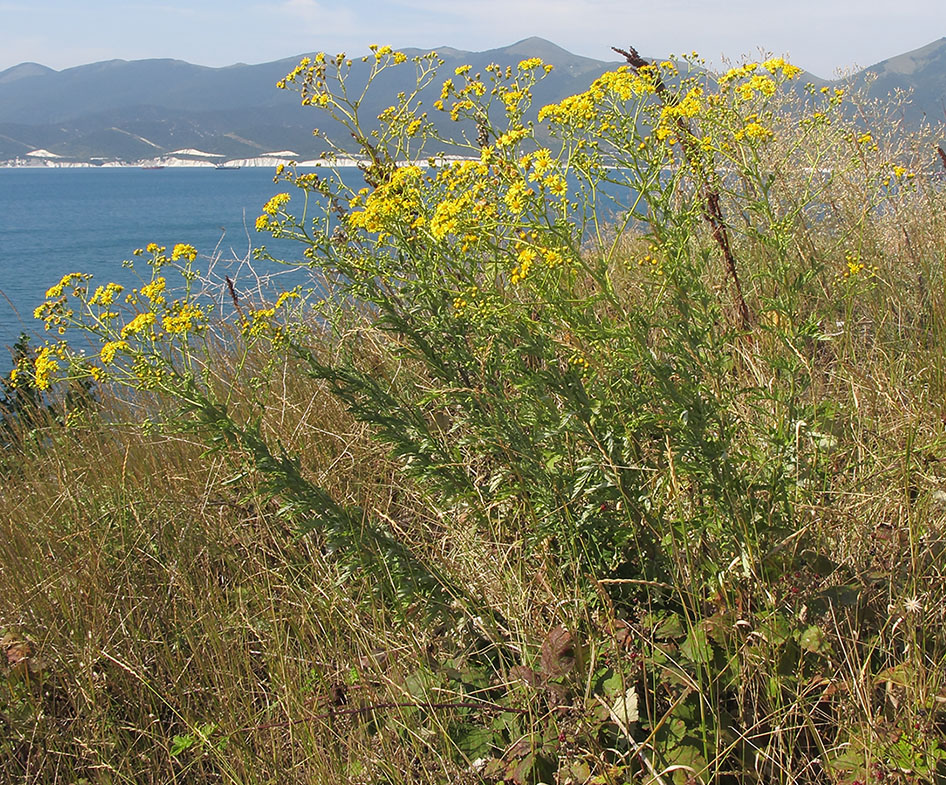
(526, 258)
(754, 131)
(46, 365)
(446, 218)
(511, 137)
(556, 184)
(184, 319)
(516, 196)
(762, 84)
(292, 295)
(67, 280)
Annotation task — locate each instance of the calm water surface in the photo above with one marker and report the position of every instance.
(55, 221)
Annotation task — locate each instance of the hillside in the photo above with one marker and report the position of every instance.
(138, 109)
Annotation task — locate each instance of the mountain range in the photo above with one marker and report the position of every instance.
(131, 110)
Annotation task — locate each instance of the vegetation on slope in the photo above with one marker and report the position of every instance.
(527, 487)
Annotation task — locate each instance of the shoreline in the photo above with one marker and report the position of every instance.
(261, 162)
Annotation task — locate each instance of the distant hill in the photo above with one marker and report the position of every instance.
(923, 71)
(139, 109)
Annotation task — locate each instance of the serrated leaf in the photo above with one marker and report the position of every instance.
(473, 741)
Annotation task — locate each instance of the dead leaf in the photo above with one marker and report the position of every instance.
(558, 653)
(624, 709)
(17, 650)
(525, 674)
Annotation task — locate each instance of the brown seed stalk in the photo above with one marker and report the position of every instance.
(712, 212)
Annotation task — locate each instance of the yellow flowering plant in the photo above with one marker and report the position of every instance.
(585, 331)
(505, 270)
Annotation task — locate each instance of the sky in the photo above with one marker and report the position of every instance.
(822, 36)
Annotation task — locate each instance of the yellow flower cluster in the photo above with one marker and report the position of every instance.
(270, 210)
(139, 323)
(759, 83)
(380, 52)
(776, 64)
(526, 258)
(154, 291)
(69, 279)
(461, 302)
(283, 298)
(468, 201)
(754, 131)
(105, 295)
(183, 251)
(651, 262)
(396, 203)
(582, 110)
(47, 363)
(625, 84)
(512, 136)
(184, 318)
(577, 110)
(110, 349)
(533, 63)
(54, 311)
(528, 254)
(261, 322)
(447, 215)
(578, 361)
(517, 196)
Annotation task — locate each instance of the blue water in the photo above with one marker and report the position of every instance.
(55, 221)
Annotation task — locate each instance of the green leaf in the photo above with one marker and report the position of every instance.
(181, 743)
(813, 640)
(474, 741)
(697, 648)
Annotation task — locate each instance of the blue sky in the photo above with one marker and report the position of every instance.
(819, 35)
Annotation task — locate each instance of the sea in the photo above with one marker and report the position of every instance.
(55, 221)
